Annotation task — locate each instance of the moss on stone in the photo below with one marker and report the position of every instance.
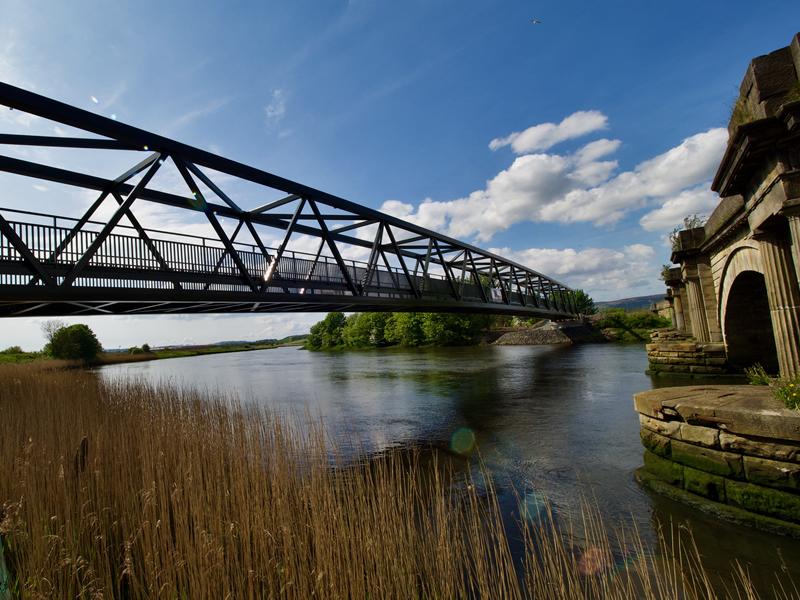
(716, 462)
(654, 442)
(759, 499)
(741, 113)
(723, 511)
(704, 484)
(772, 473)
(663, 469)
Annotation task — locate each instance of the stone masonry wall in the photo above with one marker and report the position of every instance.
(671, 351)
(729, 450)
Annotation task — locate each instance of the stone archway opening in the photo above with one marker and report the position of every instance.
(748, 325)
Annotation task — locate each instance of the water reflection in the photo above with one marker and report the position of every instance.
(552, 424)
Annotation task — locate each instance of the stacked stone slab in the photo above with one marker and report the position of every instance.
(730, 450)
(677, 352)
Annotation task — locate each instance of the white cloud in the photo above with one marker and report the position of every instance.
(700, 200)
(547, 135)
(604, 272)
(570, 188)
(275, 111)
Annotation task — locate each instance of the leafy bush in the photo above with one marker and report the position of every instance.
(76, 342)
(12, 350)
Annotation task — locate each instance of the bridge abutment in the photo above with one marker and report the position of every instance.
(717, 294)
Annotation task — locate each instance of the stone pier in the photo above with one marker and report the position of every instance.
(732, 451)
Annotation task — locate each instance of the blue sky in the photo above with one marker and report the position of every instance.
(573, 146)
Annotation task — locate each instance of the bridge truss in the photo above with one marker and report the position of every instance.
(107, 262)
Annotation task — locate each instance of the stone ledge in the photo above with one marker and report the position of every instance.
(739, 409)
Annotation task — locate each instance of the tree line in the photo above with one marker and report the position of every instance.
(365, 330)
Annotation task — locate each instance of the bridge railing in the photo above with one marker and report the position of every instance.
(126, 260)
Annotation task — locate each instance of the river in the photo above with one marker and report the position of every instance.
(555, 422)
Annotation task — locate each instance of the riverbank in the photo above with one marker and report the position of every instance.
(137, 489)
(138, 355)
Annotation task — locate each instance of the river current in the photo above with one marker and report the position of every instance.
(551, 422)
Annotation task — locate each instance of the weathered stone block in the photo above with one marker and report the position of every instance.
(772, 473)
(704, 484)
(713, 347)
(706, 369)
(682, 347)
(656, 443)
(663, 469)
(668, 428)
(766, 501)
(716, 361)
(705, 436)
(717, 462)
(756, 447)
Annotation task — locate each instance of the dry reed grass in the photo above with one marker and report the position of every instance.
(139, 491)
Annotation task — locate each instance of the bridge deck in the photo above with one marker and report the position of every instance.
(194, 274)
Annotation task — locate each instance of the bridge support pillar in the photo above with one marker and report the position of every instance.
(677, 309)
(784, 298)
(794, 231)
(697, 310)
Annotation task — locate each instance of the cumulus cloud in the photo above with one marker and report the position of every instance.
(603, 271)
(569, 188)
(547, 135)
(700, 200)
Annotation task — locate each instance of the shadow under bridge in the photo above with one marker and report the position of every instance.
(300, 250)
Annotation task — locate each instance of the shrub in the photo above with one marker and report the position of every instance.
(12, 350)
(76, 342)
(146, 348)
(757, 375)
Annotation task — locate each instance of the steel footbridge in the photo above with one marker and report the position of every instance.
(106, 261)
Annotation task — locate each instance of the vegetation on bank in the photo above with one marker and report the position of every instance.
(129, 490)
(785, 389)
(629, 326)
(77, 344)
(369, 330)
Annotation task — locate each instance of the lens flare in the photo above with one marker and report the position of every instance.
(463, 440)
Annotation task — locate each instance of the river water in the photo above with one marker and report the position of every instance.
(551, 422)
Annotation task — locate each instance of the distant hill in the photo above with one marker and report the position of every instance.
(637, 303)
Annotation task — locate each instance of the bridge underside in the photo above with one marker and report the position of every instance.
(360, 259)
(98, 301)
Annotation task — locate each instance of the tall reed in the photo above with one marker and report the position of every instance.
(132, 490)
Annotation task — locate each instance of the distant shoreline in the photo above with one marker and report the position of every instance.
(118, 358)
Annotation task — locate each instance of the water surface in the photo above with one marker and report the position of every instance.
(552, 422)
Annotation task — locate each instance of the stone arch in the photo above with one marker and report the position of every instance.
(744, 311)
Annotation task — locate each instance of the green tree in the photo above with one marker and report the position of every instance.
(365, 329)
(146, 348)
(76, 342)
(405, 329)
(447, 329)
(584, 303)
(327, 333)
